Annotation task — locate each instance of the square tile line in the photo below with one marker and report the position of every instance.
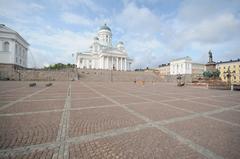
(196, 147)
(207, 104)
(39, 100)
(28, 149)
(236, 110)
(61, 110)
(23, 98)
(34, 112)
(63, 128)
(196, 115)
(163, 102)
(11, 90)
(160, 102)
(104, 134)
(216, 99)
(221, 120)
(66, 145)
(76, 99)
(200, 149)
(95, 107)
(108, 133)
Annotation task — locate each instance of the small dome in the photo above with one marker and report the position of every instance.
(105, 27)
(96, 38)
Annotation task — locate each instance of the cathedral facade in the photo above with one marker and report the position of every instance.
(103, 55)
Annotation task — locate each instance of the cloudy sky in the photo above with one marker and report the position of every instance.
(154, 31)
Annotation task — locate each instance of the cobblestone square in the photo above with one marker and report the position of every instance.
(91, 121)
(34, 106)
(157, 111)
(90, 102)
(71, 120)
(191, 106)
(219, 137)
(25, 130)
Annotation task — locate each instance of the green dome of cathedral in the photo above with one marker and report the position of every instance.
(105, 27)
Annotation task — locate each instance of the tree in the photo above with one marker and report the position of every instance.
(211, 74)
(59, 66)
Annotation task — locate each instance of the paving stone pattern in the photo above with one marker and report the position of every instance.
(72, 120)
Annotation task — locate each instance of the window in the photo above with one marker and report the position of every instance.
(16, 60)
(6, 46)
(16, 47)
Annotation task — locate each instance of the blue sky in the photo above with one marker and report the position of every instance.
(154, 31)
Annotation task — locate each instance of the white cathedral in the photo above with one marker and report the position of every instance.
(103, 55)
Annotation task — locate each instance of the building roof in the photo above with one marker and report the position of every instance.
(105, 27)
(230, 61)
(182, 58)
(5, 29)
(164, 65)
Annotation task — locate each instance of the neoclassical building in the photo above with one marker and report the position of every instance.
(103, 55)
(185, 66)
(13, 48)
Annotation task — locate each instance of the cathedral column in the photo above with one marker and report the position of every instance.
(103, 62)
(107, 63)
(121, 64)
(117, 64)
(125, 67)
(112, 64)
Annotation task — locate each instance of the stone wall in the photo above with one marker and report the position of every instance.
(11, 73)
(117, 76)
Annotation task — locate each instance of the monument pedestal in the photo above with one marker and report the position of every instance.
(211, 66)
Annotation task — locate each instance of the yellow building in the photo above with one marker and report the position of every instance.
(233, 66)
(163, 69)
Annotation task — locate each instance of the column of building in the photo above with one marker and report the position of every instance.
(121, 64)
(125, 67)
(117, 64)
(112, 64)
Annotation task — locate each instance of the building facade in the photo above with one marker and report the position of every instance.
(163, 69)
(184, 66)
(181, 66)
(103, 55)
(13, 48)
(198, 68)
(232, 67)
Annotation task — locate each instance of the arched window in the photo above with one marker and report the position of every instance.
(6, 46)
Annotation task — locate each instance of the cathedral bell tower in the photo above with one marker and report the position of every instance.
(105, 36)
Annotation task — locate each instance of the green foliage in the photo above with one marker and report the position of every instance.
(60, 66)
(216, 73)
(211, 74)
(207, 74)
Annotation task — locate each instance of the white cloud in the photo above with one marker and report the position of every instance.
(151, 37)
(14, 9)
(70, 4)
(57, 45)
(75, 19)
(138, 19)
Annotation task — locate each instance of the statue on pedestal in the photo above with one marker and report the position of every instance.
(211, 65)
(210, 57)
